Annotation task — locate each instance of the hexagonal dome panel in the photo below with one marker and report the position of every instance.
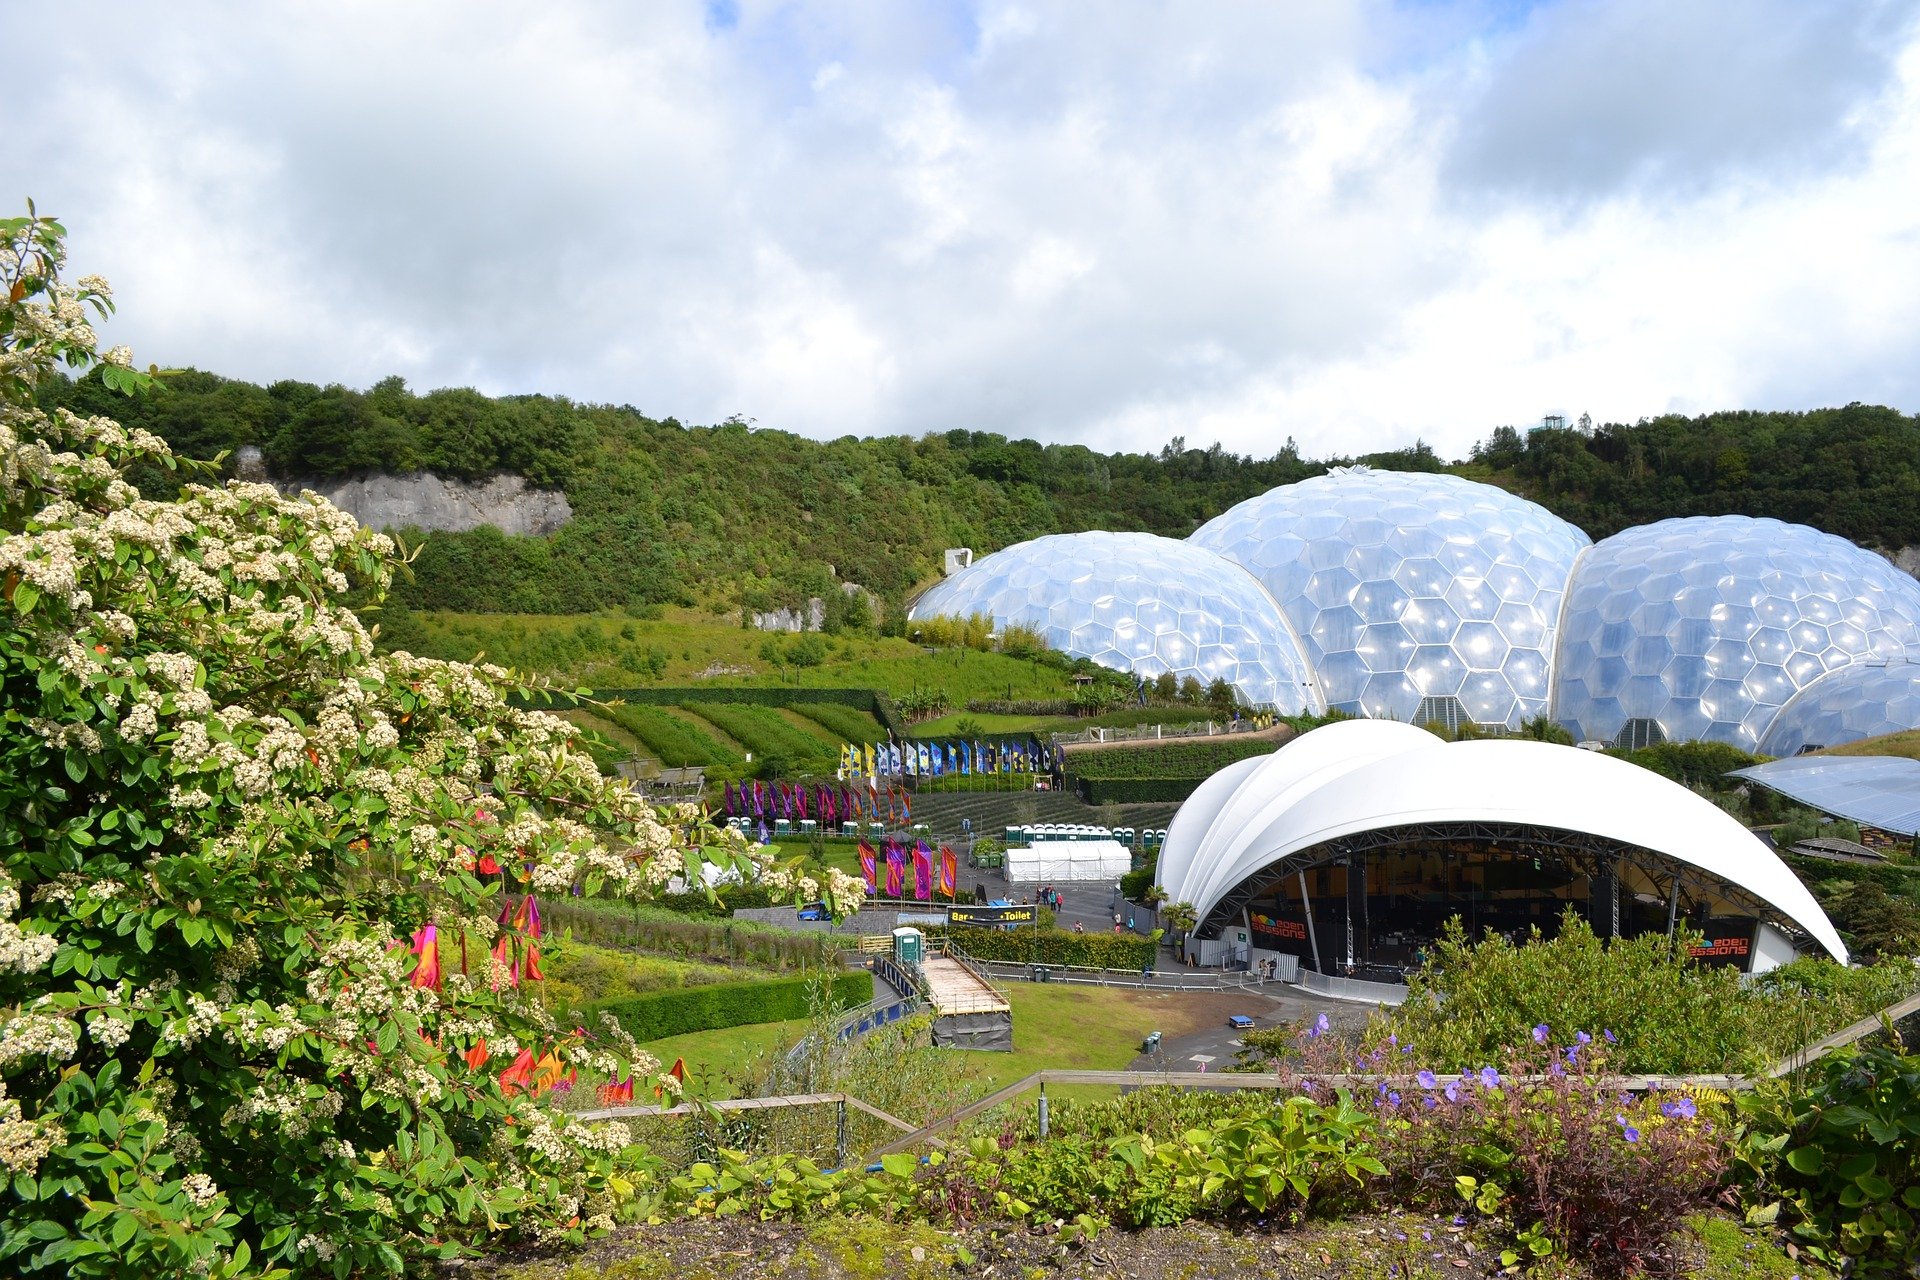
(1663, 619)
(1864, 700)
(1445, 585)
(1141, 603)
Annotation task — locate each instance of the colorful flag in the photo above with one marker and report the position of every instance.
(869, 866)
(922, 871)
(949, 872)
(870, 762)
(896, 869)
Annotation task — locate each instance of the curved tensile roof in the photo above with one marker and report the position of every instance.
(1372, 775)
(1141, 603)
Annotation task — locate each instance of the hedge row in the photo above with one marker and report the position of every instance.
(1190, 758)
(1053, 946)
(876, 704)
(1902, 881)
(694, 939)
(1134, 790)
(674, 742)
(659, 1014)
(763, 731)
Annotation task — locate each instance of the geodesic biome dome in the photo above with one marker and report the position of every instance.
(1860, 701)
(1706, 626)
(1416, 596)
(1137, 602)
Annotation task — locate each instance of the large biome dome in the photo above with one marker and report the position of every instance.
(1706, 626)
(1141, 603)
(1417, 596)
(1864, 700)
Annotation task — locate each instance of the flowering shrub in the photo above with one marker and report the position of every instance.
(1604, 1175)
(268, 901)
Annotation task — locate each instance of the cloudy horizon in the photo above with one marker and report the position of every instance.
(1350, 223)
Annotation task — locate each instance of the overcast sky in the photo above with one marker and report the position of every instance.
(1353, 223)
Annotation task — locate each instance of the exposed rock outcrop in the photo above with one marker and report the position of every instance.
(438, 504)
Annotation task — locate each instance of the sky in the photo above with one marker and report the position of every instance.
(1349, 222)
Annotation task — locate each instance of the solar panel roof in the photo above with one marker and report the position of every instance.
(1876, 791)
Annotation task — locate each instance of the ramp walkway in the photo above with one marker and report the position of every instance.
(953, 988)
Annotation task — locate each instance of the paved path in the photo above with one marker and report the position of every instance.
(1214, 1048)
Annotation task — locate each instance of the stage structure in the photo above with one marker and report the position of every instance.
(1349, 848)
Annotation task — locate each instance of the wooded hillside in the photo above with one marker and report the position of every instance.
(733, 515)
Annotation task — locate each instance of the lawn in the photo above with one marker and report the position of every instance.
(686, 647)
(715, 1058)
(1905, 743)
(1075, 1028)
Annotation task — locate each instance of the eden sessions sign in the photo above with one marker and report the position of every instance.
(992, 915)
(1274, 927)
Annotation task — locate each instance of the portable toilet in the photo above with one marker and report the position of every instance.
(849, 828)
(808, 826)
(908, 945)
(782, 827)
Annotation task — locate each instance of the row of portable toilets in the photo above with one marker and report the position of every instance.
(1038, 832)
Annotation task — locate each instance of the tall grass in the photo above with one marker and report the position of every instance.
(674, 742)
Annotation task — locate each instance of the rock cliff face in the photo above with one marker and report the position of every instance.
(435, 503)
(1906, 559)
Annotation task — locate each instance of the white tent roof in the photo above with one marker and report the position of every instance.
(1366, 775)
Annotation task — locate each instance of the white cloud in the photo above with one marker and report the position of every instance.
(1343, 221)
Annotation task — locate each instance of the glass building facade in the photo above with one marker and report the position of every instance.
(1141, 603)
(1708, 626)
(1417, 597)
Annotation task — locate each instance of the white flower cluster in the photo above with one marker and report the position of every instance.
(34, 1034)
(202, 1017)
(24, 1143)
(200, 1188)
(21, 951)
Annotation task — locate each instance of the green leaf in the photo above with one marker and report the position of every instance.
(25, 596)
(899, 1164)
(1806, 1159)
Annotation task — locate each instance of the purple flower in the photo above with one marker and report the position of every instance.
(1583, 1038)
(1681, 1108)
(1489, 1077)
(1406, 1048)
(1383, 1090)
(1453, 1092)
(1429, 1102)
(1320, 1026)
(1611, 1038)
(1393, 1039)
(1427, 1080)
(1393, 1099)
(1540, 1034)
(1631, 1134)
(1573, 1053)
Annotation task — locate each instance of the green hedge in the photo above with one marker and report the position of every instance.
(1902, 881)
(659, 1014)
(610, 924)
(1134, 790)
(849, 724)
(676, 743)
(1054, 946)
(876, 704)
(763, 731)
(1194, 758)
